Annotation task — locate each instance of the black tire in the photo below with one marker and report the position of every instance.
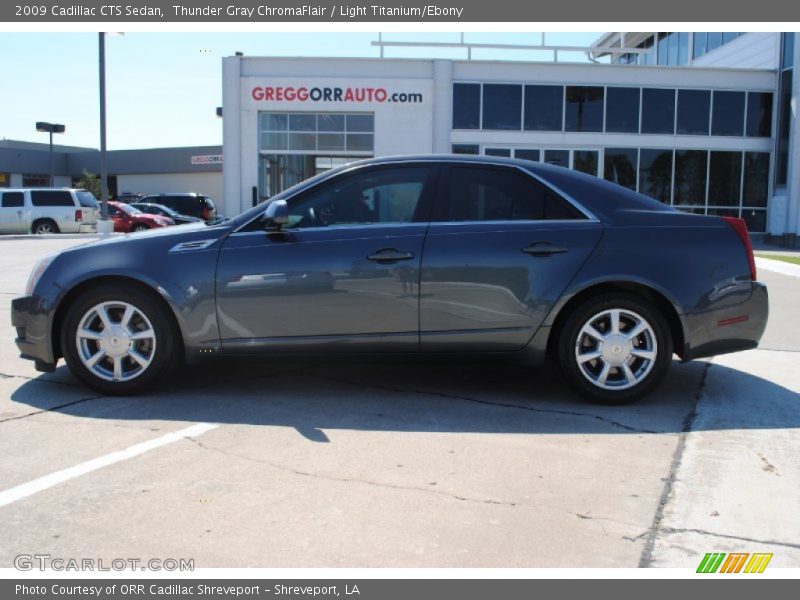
(139, 227)
(44, 226)
(658, 337)
(167, 353)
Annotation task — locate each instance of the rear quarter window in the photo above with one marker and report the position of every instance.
(87, 200)
(51, 198)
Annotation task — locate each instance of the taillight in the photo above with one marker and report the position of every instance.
(206, 213)
(740, 227)
(78, 215)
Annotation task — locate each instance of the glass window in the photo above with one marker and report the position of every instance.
(466, 105)
(544, 105)
(271, 140)
(784, 127)
(330, 122)
(466, 149)
(694, 107)
(498, 152)
(699, 44)
(672, 50)
(620, 166)
(559, 158)
(663, 49)
(728, 113)
(87, 199)
(302, 141)
(386, 196)
(683, 48)
(330, 141)
(12, 199)
(658, 111)
(759, 114)
(586, 161)
(622, 110)
(501, 195)
(787, 61)
(502, 106)
(690, 177)
(584, 109)
(330, 132)
(756, 220)
(724, 178)
(303, 122)
(713, 41)
(51, 198)
(756, 179)
(35, 180)
(655, 174)
(729, 36)
(274, 122)
(359, 142)
(527, 154)
(355, 123)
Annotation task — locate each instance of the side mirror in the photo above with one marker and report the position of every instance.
(276, 215)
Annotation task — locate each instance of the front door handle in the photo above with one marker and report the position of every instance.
(389, 255)
(543, 249)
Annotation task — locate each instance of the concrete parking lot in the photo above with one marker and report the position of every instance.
(320, 465)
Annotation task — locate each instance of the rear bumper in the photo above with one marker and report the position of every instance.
(87, 228)
(32, 325)
(730, 329)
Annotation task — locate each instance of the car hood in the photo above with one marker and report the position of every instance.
(162, 236)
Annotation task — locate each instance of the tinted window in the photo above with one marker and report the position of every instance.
(620, 166)
(724, 178)
(466, 149)
(527, 154)
(87, 199)
(622, 110)
(655, 174)
(658, 111)
(756, 179)
(386, 196)
(694, 108)
(584, 109)
(690, 176)
(466, 105)
(586, 161)
(784, 125)
(756, 220)
(498, 152)
(559, 158)
(500, 195)
(51, 198)
(13, 199)
(544, 105)
(759, 114)
(502, 106)
(728, 112)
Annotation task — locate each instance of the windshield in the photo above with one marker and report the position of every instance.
(128, 209)
(87, 199)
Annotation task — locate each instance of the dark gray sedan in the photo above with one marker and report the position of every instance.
(423, 255)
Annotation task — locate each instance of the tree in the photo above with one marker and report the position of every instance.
(89, 182)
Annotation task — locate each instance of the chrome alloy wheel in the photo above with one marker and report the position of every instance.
(616, 349)
(116, 341)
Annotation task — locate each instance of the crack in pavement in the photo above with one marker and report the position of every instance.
(673, 530)
(349, 479)
(555, 411)
(646, 559)
(51, 409)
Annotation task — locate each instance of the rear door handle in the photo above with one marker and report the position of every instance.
(388, 255)
(543, 249)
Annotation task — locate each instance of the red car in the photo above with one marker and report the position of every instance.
(128, 219)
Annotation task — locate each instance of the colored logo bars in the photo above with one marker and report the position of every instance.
(735, 562)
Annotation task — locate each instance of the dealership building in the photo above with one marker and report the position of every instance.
(706, 122)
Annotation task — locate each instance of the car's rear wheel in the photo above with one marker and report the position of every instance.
(44, 226)
(119, 339)
(615, 348)
(139, 227)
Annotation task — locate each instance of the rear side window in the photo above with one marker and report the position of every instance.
(478, 194)
(13, 200)
(87, 200)
(51, 198)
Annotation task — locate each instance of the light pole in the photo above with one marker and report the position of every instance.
(50, 128)
(103, 157)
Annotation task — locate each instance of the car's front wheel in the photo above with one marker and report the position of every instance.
(615, 348)
(139, 227)
(118, 339)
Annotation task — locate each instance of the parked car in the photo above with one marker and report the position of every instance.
(158, 209)
(191, 204)
(47, 210)
(129, 197)
(128, 219)
(428, 255)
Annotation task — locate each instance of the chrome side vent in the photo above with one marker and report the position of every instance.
(193, 245)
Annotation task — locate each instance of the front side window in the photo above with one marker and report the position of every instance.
(383, 196)
(480, 194)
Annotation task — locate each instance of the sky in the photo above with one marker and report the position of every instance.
(162, 89)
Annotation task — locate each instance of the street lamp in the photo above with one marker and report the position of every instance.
(50, 128)
(104, 226)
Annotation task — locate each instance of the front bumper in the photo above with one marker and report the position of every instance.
(32, 325)
(730, 329)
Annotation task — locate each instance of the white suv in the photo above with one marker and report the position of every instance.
(47, 210)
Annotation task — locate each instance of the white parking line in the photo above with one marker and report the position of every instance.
(778, 266)
(42, 483)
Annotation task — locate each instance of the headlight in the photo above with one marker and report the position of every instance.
(38, 270)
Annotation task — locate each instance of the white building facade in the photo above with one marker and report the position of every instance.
(710, 137)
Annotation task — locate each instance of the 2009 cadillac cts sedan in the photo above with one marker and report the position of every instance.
(410, 255)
